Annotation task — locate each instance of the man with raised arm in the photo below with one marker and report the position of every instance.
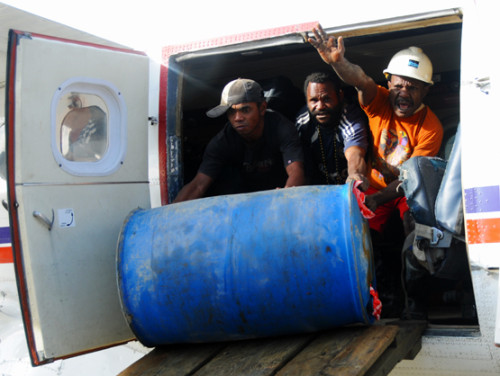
(401, 125)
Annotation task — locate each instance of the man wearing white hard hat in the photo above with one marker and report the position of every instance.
(401, 125)
(260, 147)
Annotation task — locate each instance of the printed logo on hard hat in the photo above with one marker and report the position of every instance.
(413, 63)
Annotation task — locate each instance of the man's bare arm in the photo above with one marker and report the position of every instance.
(196, 188)
(356, 166)
(389, 193)
(296, 177)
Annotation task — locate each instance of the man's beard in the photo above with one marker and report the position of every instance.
(333, 121)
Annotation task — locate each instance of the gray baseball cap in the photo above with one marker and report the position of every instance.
(238, 91)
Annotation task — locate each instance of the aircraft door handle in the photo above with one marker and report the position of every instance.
(44, 220)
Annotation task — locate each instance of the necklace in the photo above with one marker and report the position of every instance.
(323, 157)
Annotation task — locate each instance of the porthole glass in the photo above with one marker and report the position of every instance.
(83, 128)
(89, 127)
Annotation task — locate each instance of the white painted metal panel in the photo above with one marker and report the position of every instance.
(68, 290)
(479, 97)
(38, 84)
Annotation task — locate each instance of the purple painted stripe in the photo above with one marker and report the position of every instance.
(4, 235)
(482, 199)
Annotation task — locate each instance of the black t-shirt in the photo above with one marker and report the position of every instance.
(255, 166)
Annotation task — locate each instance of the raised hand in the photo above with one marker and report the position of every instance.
(331, 50)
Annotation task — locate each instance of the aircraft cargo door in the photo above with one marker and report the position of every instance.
(77, 166)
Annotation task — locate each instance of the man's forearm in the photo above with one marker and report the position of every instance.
(356, 164)
(387, 194)
(296, 175)
(194, 189)
(354, 75)
(188, 192)
(350, 73)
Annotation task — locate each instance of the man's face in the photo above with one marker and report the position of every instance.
(406, 95)
(248, 119)
(323, 103)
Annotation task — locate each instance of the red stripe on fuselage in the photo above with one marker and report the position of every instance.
(6, 255)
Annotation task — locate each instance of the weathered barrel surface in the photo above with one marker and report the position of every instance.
(245, 266)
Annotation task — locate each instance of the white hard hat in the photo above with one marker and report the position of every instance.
(411, 62)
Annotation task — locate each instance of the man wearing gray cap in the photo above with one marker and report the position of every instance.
(261, 145)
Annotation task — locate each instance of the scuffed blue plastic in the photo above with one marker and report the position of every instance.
(245, 266)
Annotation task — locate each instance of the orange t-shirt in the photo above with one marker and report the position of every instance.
(397, 139)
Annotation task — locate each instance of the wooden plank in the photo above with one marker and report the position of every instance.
(255, 357)
(346, 351)
(320, 351)
(407, 344)
(174, 360)
(353, 350)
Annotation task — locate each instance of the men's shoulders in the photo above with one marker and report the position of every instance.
(224, 139)
(382, 93)
(283, 135)
(432, 125)
(277, 121)
(303, 118)
(432, 119)
(222, 150)
(380, 104)
(353, 127)
(275, 116)
(353, 113)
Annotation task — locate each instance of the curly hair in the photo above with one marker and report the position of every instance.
(321, 78)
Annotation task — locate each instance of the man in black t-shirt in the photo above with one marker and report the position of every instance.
(261, 145)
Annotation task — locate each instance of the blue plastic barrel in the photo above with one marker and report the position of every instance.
(244, 266)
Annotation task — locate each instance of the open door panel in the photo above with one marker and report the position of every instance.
(77, 165)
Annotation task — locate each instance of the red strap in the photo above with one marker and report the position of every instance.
(377, 304)
(360, 197)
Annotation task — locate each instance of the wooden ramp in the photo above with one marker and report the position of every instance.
(354, 350)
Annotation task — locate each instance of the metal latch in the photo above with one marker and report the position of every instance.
(432, 234)
(44, 220)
